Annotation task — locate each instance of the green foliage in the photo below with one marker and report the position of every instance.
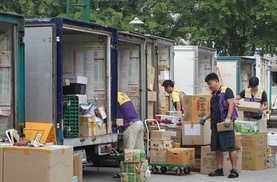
(233, 27)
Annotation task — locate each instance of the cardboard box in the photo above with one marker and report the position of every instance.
(254, 157)
(174, 113)
(209, 163)
(162, 111)
(194, 133)
(162, 101)
(195, 106)
(271, 150)
(166, 120)
(163, 74)
(134, 155)
(249, 106)
(88, 127)
(270, 161)
(152, 96)
(78, 167)
(221, 127)
(134, 177)
(259, 139)
(119, 122)
(77, 79)
(160, 135)
(150, 110)
(246, 126)
(180, 156)
(138, 167)
(176, 133)
(44, 164)
(158, 156)
(150, 77)
(161, 144)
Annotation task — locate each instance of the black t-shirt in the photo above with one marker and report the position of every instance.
(264, 99)
(215, 111)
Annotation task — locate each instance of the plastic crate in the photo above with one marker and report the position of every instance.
(71, 116)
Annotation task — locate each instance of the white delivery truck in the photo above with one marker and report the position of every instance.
(191, 65)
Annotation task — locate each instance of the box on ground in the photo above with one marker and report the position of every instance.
(78, 167)
(254, 158)
(48, 164)
(160, 135)
(249, 106)
(195, 106)
(259, 139)
(180, 156)
(88, 127)
(194, 133)
(209, 163)
(246, 126)
(158, 156)
(152, 96)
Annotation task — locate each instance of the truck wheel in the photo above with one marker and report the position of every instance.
(179, 171)
(155, 170)
(163, 170)
(187, 170)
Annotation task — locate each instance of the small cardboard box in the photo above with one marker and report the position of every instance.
(180, 156)
(259, 139)
(152, 96)
(161, 144)
(174, 113)
(158, 156)
(221, 127)
(160, 135)
(254, 158)
(209, 164)
(150, 77)
(193, 133)
(166, 120)
(248, 106)
(78, 167)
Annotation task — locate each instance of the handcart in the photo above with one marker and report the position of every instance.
(179, 169)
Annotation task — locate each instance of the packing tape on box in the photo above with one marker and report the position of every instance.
(191, 124)
(192, 142)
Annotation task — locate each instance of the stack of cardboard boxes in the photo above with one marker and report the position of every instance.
(134, 166)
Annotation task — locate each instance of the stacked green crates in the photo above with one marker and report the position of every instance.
(71, 116)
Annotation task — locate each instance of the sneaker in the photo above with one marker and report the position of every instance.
(116, 176)
(218, 172)
(233, 174)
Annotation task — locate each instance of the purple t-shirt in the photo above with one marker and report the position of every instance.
(128, 113)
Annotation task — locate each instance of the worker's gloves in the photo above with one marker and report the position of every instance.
(227, 122)
(202, 121)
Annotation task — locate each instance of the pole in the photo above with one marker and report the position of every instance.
(68, 8)
(86, 10)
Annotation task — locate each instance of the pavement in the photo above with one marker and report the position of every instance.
(108, 169)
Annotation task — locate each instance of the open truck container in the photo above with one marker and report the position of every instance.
(235, 72)
(161, 57)
(191, 65)
(58, 48)
(12, 72)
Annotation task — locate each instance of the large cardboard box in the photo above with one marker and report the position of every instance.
(259, 139)
(150, 77)
(78, 167)
(209, 163)
(254, 157)
(195, 106)
(44, 164)
(194, 133)
(248, 106)
(88, 127)
(158, 156)
(160, 135)
(180, 156)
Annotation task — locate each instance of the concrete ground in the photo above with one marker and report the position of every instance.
(106, 172)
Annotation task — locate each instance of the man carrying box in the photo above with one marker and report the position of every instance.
(177, 94)
(222, 110)
(253, 94)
